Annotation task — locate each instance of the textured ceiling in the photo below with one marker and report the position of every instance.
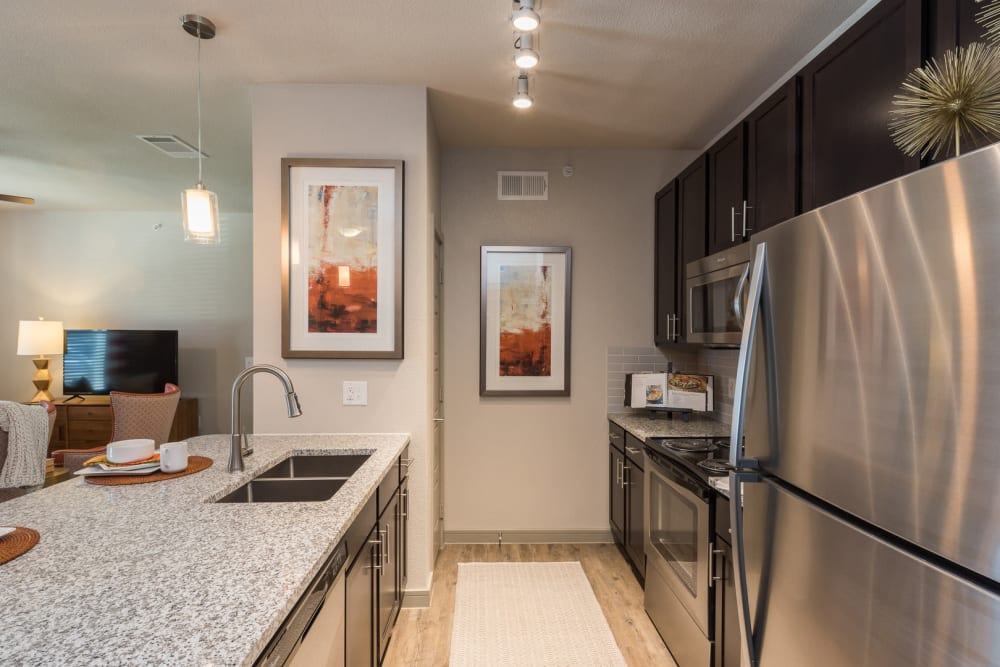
(80, 79)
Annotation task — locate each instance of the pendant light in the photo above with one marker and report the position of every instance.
(200, 206)
(526, 18)
(525, 55)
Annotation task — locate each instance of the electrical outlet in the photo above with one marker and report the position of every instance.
(730, 386)
(355, 392)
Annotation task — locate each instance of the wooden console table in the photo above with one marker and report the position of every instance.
(82, 424)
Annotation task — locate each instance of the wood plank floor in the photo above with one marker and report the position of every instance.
(423, 636)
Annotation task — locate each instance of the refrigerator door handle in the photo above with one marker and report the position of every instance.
(748, 652)
(754, 304)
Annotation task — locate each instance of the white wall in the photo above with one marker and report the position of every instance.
(117, 270)
(541, 463)
(350, 121)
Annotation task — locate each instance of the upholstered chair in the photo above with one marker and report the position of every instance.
(133, 416)
(7, 494)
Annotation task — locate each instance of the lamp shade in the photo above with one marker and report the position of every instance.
(201, 215)
(39, 337)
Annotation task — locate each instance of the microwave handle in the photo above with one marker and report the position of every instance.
(738, 297)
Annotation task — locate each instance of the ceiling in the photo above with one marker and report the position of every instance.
(80, 79)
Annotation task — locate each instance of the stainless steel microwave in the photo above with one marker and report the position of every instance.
(716, 289)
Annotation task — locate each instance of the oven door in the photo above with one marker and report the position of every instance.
(678, 535)
(717, 290)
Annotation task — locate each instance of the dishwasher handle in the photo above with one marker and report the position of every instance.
(294, 628)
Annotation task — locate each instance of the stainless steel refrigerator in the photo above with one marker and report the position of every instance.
(868, 392)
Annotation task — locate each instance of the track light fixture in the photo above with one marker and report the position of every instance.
(522, 100)
(526, 19)
(525, 56)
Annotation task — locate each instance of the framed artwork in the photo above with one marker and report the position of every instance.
(524, 327)
(342, 258)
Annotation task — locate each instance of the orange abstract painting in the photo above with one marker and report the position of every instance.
(343, 259)
(525, 320)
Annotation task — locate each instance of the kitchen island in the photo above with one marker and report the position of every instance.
(159, 574)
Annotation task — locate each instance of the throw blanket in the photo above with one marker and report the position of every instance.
(27, 427)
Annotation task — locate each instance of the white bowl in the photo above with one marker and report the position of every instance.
(126, 451)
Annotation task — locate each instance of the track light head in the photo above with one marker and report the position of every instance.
(525, 55)
(526, 19)
(522, 100)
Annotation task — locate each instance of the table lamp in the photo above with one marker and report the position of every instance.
(40, 337)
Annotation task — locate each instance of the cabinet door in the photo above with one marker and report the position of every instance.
(773, 159)
(388, 575)
(847, 94)
(616, 501)
(635, 544)
(727, 628)
(726, 190)
(692, 222)
(952, 23)
(362, 606)
(666, 287)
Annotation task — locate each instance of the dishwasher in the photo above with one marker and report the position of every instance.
(313, 634)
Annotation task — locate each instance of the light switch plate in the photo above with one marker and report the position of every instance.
(355, 392)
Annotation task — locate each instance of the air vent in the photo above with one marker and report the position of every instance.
(523, 185)
(171, 145)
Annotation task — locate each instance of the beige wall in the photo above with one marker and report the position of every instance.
(350, 121)
(541, 463)
(117, 270)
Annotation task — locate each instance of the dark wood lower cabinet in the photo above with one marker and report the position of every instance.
(616, 500)
(361, 604)
(389, 597)
(634, 542)
(727, 631)
(626, 503)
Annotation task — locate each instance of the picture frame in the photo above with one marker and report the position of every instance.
(525, 316)
(341, 258)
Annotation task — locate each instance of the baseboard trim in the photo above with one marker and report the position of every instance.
(417, 599)
(528, 537)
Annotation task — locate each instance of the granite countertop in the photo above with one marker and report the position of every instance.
(156, 574)
(642, 426)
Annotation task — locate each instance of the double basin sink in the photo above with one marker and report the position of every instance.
(302, 478)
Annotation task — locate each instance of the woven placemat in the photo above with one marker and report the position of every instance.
(195, 464)
(14, 544)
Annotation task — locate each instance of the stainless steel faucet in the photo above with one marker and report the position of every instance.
(237, 444)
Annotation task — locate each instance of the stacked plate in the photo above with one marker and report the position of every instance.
(124, 457)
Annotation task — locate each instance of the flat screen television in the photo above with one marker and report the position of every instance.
(99, 361)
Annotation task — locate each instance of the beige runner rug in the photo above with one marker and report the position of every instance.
(529, 614)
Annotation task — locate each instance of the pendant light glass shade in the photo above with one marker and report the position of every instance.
(201, 215)
(200, 207)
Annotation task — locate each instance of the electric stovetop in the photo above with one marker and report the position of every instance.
(705, 457)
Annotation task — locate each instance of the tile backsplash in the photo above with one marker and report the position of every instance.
(720, 363)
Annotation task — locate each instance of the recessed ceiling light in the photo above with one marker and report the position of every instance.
(525, 56)
(526, 18)
(522, 100)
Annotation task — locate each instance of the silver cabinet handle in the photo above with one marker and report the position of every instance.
(439, 420)
(624, 468)
(712, 574)
(377, 560)
(405, 497)
(406, 462)
(620, 472)
(385, 556)
(633, 450)
(732, 224)
(746, 228)
(614, 437)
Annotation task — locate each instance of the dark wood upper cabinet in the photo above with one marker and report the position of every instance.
(952, 23)
(692, 221)
(847, 93)
(773, 152)
(726, 190)
(666, 286)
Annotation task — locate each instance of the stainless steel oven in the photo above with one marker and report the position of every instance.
(678, 536)
(716, 297)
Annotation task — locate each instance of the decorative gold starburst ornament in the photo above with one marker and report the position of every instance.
(942, 103)
(989, 18)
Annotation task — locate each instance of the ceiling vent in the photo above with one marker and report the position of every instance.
(523, 185)
(171, 145)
